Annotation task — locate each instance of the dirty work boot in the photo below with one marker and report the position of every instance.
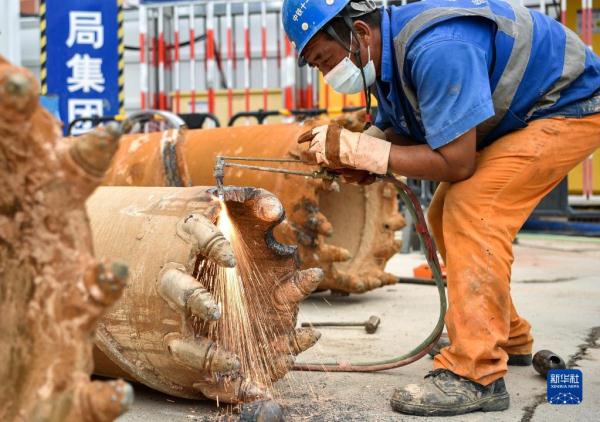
(444, 393)
(513, 360)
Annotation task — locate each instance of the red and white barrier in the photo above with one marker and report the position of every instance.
(230, 58)
(211, 69)
(153, 91)
(263, 53)
(162, 96)
(143, 29)
(192, 23)
(169, 67)
(247, 56)
(176, 61)
(279, 50)
(289, 74)
(309, 88)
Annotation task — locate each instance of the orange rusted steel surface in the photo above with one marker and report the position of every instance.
(174, 329)
(52, 290)
(348, 232)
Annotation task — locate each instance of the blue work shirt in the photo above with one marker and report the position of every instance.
(449, 65)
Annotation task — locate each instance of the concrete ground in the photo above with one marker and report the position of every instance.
(556, 286)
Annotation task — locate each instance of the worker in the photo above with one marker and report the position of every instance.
(496, 102)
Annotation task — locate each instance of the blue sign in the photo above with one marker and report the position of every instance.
(50, 103)
(565, 386)
(80, 58)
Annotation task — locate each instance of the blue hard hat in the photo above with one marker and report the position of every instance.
(302, 19)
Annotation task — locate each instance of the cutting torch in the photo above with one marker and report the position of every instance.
(414, 207)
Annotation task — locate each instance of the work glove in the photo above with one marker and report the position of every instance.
(375, 132)
(363, 177)
(359, 177)
(334, 147)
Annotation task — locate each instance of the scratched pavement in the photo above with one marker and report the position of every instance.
(556, 286)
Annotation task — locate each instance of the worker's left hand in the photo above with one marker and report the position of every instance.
(334, 147)
(359, 177)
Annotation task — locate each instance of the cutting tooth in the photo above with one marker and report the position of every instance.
(210, 241)
(93, 151)
(397, 245)
(296, 289)
(201, 303)
(18, 85)
(297, 342)
(268, 208)
(201, 354)
(281, 366)
(104, 400)
(187, 294)
(302, 339)
(388, 278)
(330, 253)
(349, 283)
(250, 391)
(388, 249)
(372, 282)
(106, 280)
(238, 390)
(18, 92)
(395, 222)
(303, 238)
(322, 224)
(328, 185)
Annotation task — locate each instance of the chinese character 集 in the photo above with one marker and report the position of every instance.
(86, 74)
(85, 28)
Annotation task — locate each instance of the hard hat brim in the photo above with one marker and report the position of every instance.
(314, 21)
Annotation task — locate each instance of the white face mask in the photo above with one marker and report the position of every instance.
(346, 78)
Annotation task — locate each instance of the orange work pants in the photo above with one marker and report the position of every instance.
(474, 223)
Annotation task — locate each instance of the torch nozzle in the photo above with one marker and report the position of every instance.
(219, 174)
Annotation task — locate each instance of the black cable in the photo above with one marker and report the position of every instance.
(202, 37)
(557, 8)
(181, 44)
